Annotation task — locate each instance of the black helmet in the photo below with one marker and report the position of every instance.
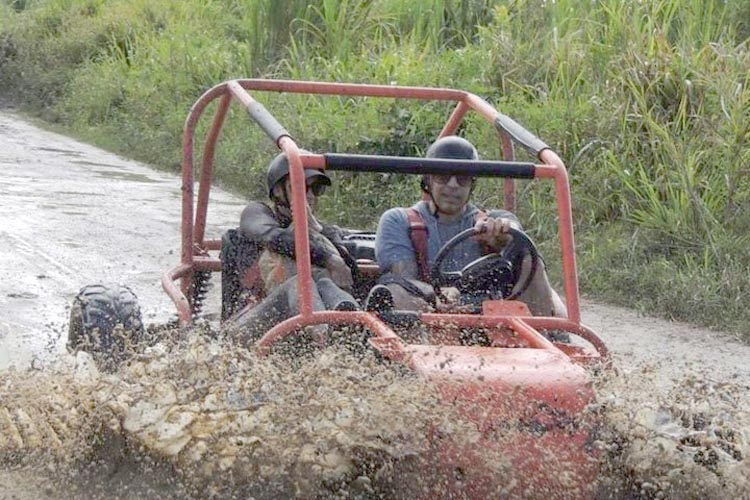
(450, 146)
(278, 170)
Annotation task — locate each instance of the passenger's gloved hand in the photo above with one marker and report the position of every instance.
(312, 223)
(340, 272)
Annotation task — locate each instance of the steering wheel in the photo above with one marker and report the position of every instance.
(494, 275)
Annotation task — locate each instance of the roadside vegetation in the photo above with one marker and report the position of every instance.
(647, 102)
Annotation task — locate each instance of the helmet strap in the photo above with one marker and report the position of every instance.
(279, 195)
(436, 212)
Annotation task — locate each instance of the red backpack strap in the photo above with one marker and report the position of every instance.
(418, 236)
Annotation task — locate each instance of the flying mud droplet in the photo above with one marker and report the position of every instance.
(692, 441)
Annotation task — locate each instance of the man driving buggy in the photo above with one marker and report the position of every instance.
(444, 212)
(268, 270)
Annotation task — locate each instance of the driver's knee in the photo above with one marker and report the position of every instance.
(408, 294)
(541, 298)
(559, 310)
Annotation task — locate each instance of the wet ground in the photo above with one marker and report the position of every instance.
(73, 214)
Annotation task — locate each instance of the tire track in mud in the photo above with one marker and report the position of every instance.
(679, 405)
(43, 264)
(42, 275)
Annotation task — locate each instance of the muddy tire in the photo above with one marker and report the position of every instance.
(105, 320)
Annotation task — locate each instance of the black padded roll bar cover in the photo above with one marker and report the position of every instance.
(267, 122)
(528, 140)
(416, 165)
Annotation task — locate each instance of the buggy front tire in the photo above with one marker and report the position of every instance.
(105, 321)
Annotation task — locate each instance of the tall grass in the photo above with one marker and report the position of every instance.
(648, 102)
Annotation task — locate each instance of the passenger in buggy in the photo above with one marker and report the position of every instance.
(259, 283)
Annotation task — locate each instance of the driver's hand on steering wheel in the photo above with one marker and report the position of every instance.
(493, 232)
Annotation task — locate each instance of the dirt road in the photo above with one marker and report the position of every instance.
(73, 214)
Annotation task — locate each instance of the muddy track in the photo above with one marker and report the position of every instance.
(73, 214)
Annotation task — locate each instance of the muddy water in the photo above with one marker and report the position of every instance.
(73, 215)
(676, 410)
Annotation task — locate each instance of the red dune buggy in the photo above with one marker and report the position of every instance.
(517, 375)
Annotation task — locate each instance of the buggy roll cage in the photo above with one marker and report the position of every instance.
(195, 247)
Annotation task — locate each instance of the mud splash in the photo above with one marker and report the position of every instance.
(689, 442)
(201, 418)
(226, 424)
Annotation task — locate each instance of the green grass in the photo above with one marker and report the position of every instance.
(647, 102)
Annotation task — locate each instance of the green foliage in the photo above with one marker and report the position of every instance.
(648, 103)
(687, 286)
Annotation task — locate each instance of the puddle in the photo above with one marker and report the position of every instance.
(121, 175)
(66, 152)
(97, 164)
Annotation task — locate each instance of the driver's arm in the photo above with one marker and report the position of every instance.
(393, 248)
(541, 298)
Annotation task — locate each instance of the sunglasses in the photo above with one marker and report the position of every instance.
(317, 188)
(462, 180)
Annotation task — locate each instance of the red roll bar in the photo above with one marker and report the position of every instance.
(194, 244)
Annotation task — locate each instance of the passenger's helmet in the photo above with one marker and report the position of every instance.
(278, 170)
(450, 146)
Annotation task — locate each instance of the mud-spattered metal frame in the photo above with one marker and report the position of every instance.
(541, 385)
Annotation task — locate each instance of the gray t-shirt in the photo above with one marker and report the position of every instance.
(393, 241)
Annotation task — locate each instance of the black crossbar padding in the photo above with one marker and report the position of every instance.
(532, 143)
(416, 165)
(266, 121)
